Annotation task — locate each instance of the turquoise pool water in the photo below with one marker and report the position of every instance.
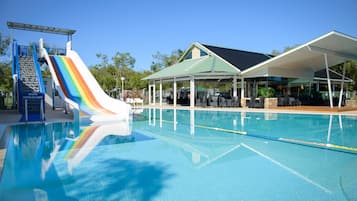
(185, 155)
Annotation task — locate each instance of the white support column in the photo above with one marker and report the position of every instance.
(154, 93)
(149, 94)
(242, 85)
(328, 81)
(160, 93)
(175, 92)
(68, 46)
(192, 92)
(342, 83)
(235, 86)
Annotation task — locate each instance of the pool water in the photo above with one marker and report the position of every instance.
(185, 155)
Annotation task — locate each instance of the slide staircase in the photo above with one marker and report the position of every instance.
(29, 84)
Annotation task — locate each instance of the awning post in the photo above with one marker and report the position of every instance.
(192, 92)
(242, 85)
(235, 86)
(328, 81)
(342, 83)
(175, 93)
(149, 94)
(160, 92)
(154, 93)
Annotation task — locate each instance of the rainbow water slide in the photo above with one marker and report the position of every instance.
(81, 90)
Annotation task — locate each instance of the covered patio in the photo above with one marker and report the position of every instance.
(305, 60)
(204, 62)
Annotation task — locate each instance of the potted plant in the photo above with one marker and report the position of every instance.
(269, 100)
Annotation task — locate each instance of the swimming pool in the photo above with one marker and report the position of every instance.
(185, 155)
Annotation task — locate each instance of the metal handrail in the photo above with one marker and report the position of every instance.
(38, 69)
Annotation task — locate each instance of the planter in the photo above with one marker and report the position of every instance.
(243, 102)
(351, 103)
(270, 103)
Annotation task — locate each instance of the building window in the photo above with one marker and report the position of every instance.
(202, 53)
(189, 56)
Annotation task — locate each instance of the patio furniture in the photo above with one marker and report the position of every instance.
(138, 101)
(251, 102)
(213, 101)
(256, 102)
(236, 101)
(222, 101)
(260, 102)
(229, 102)
(198, 102)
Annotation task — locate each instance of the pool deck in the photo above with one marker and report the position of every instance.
(285, 109)
(11, 117)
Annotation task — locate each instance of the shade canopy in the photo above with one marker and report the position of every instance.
(301, 62)
(39, 28)
(305, 60)
(202, 66)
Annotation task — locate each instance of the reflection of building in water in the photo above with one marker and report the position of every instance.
(211, 145)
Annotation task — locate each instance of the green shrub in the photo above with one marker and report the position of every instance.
(266, 92)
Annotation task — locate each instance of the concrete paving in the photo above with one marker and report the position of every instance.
(292, 110)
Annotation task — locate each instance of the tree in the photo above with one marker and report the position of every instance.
(5, 66)
(162, 60)
(287, 48)
(351, 71)
(109, 74)
(4, 44)
(104, 62)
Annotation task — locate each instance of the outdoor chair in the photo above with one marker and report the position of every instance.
(213, 101)
(138, 101)
(294, 101)
(229, 102)
(281, 101)
(198, 102)
(260, 103)
(298, 102)
(236, 101)
(204, 101)
(222, 101)
(284, 101)
(251, 102)
(254, 103)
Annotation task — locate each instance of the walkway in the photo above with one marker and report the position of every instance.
(285, 109)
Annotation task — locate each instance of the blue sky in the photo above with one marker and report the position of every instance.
(144, 27)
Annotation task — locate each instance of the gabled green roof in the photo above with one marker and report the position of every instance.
(192, 67)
